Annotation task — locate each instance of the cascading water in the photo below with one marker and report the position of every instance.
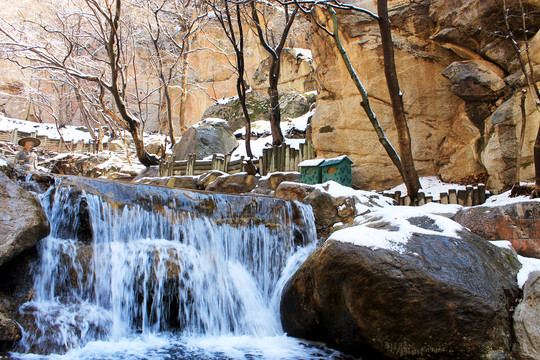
(162, 273)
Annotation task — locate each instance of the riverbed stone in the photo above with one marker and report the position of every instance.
(436, 297)
(23, 220)
(527, 319)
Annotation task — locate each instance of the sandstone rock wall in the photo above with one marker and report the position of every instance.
(455, 73)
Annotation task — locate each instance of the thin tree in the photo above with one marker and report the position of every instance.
(274, 50)
(236, 39)
(405, 162)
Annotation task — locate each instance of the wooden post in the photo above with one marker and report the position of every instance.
(469, 191)
(476, 196)
(481, 194)
(14, 135)
(397, 196)
(60, 145)
(462, 197)
(44, 142)
(226, 162)
(452, 196)
(407, 200)
(421, 198)
(444, 198)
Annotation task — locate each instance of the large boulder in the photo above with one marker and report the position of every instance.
(23, 220)
(210, 136)
(527, 319)
(518, 222)
(405, 285)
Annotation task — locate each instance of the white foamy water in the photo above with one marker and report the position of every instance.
(155, 279)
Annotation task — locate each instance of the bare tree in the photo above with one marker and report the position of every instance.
(274, 48)
(171, 31)
(98, 54)
(236, 39)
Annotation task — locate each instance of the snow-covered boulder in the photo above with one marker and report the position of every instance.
(517, 221)
(210, 136)
(527, 319)
(405, 284)
(332, 202)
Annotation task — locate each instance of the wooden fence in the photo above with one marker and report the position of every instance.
(192, 166)
(285, 158)
(276, 158)
(47, 144)
(470, 196)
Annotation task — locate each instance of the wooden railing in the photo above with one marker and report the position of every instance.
(192, 166)
(47, 144)
(276, 158)
(470, 196)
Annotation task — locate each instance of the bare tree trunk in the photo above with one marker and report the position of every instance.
(365, 98)
(274, 72)
(536, 192)
(275, 108)
(183, 96)
(404, 138)
(521, 137)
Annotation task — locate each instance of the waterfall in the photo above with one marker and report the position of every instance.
(124, 260)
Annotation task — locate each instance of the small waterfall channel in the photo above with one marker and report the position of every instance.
(142, 272)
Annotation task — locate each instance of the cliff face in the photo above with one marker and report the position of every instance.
(461, 87)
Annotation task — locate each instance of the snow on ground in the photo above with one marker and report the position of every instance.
(431, 186)
(69, 133)
(505, 199)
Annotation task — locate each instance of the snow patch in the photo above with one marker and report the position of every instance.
(431, 186)
(505, 199)
(529, 265)
(388, 228)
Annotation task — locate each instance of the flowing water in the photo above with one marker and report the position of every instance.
(139, 272)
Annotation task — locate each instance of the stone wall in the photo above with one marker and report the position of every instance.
(458, 84)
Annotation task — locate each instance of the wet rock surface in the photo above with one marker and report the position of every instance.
(439, 297)
(23, 220)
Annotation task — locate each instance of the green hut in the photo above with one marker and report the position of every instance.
(317, 171)
(310, 171)
(337, 169)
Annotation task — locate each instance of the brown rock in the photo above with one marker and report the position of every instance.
(293, 191)
(440, 298)
(9, 330)
(476, 80)
(517, 222)
(23, 220)
(527, 319)
(233, 184)
(272, 181)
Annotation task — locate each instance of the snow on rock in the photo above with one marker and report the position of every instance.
(530, 265)
(391, 227)
(368, 198)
